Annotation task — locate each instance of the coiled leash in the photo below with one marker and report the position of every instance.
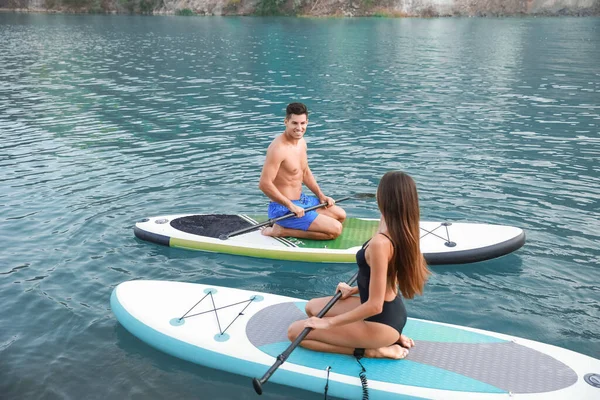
(358, 354)
(327, 382)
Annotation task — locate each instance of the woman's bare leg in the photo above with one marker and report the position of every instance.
(394, 351)
(344, 339)
(314, 306)
(405, 342)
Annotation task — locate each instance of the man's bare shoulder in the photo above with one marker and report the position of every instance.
(277, 142)
(276, 150)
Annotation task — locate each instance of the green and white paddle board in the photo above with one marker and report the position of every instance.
(243, 332)
(441, 242)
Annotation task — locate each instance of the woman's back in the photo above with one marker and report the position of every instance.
(393, 312)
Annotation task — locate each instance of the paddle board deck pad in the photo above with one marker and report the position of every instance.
(243, 332)
(441, 242)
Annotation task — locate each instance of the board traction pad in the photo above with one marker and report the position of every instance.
(444, 357)
(210, 225)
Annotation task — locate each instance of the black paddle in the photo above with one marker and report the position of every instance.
(226, 236)
(257, 383)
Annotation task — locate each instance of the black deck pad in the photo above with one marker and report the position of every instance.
(210, 225)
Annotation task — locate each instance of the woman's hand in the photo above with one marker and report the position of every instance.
(346, 290)
(317, 323)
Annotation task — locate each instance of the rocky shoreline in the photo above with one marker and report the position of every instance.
(312, 8)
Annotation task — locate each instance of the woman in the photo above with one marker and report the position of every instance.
(371, 325)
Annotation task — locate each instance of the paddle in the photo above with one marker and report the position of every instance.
(226, 236)
(257, 383)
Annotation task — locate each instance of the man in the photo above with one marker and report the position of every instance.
(284, 172)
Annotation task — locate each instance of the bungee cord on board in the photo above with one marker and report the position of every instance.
(446, 240)
(215, 309)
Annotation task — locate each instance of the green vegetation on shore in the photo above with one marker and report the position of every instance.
(304, 8)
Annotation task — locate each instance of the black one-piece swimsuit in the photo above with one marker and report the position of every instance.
(394, 312)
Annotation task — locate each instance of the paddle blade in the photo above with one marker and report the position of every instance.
(364, 196)
(257, 385)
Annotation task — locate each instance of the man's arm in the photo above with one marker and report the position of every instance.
(267, 177)
(309, 180)
(311, 183)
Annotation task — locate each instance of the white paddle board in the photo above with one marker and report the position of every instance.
(441, 242)
(243, 332)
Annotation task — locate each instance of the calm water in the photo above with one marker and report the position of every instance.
(105, 120)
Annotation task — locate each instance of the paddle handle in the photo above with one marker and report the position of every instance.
(257, 383)
(273, 220)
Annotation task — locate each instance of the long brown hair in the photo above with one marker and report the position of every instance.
(399, 205)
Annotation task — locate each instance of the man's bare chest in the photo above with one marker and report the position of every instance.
(295, 163)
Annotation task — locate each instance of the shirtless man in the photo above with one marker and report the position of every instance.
(285, 170)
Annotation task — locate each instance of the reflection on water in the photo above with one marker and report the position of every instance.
(105, 120)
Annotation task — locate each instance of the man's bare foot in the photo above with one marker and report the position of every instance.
(395, 352)
(406, 342)
(273, 231)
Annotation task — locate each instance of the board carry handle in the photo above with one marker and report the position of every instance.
(271, 221)
(257, 383)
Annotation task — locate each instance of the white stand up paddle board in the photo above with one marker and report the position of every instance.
(243, 332)
(441, 242)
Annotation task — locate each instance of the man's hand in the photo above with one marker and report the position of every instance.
(328, 200)
(299, 211)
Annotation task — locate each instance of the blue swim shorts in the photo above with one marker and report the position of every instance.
(277, 210)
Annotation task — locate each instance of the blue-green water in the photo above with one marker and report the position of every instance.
(107, 119)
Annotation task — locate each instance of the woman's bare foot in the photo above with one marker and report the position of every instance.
(406, 342)
(395, 352)
(274, 231)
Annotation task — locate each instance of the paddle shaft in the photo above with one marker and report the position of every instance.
(257, 383)
(273, 220)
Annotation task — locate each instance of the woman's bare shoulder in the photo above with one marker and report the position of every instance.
(380, 245)
(381, 239)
